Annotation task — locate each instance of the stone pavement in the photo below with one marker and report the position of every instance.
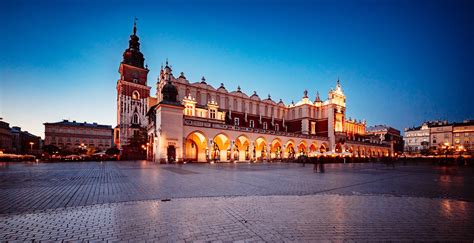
(252, 218)
(261, 202)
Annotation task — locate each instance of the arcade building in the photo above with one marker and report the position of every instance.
(194, 121)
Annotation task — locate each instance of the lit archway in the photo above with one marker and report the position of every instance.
(323, 148)
(276, 149)
(196, 147)
(221, 147)
(260, 148)
(290, 149)
(338, 148)
(302, 148)
(313, 148)
(242, 147)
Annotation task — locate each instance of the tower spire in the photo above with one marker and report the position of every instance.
(135, 26)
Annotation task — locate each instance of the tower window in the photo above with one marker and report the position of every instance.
(236, 121)
(135, 95)
(277, 127)
(135, 119)
(265, 126)
(252, 124)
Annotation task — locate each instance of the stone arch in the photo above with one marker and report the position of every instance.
(221, 147)
(338, 148)
(290, 149)
(323, 148)
(242, 147)
(302, 148)
(276, 148)
(196, 147)
(313, 148)
(260, 147)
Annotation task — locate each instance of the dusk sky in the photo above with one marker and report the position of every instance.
(400, 62)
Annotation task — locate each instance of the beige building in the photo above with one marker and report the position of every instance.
(417, 139)
(441, 135)
(463, 136)
(73, 135)
(197, 122)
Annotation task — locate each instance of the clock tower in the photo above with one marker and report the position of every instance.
(132, 94)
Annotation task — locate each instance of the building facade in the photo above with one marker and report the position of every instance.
(197, 122)
(6, 140)
(441, 135)
(388, 135)
(74, 135)
(132, 94)
(463, 136)
(417, 139)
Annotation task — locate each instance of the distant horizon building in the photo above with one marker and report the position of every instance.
(6, 140)
(75, 135)
(436, 135)
(387, 134)
(14, 140)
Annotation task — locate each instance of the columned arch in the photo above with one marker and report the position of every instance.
(221, 147)
(242, 147)
(313, 149)
(323, 148)
(196, 147)
(276, 149)
(260, 148)
(290, 149)
(302, 150)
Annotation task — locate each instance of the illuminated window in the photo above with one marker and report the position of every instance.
(135, 95)
(313, 127)
(213, 114)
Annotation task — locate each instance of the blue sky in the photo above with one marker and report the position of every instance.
(399, 62)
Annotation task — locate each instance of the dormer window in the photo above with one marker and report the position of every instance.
(135, 80)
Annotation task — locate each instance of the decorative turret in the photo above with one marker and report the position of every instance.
(169, 93)
(318, 99)
(203, 80)
(305, 94)
(132, 55)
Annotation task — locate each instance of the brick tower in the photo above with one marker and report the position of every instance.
(132, 94)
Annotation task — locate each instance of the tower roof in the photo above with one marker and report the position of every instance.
(132, 55)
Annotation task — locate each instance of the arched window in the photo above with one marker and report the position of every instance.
(135, 95)
(135, 119)
(235, 105)
(198, 97)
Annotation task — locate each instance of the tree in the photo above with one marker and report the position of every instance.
(50, 149)
(112, 151)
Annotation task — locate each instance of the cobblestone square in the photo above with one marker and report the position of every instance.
(138, 200)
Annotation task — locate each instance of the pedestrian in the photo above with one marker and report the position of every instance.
(321, 165)
(316, 164)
